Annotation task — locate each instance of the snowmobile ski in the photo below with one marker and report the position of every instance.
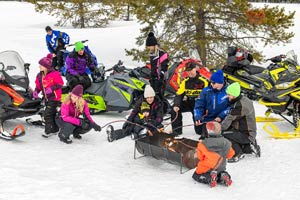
(274, 132)
(267, 119)
(15, 133)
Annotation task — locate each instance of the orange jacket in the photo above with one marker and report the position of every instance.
(209, 160)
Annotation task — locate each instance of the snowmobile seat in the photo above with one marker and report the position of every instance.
(253, 69)
(166, 147)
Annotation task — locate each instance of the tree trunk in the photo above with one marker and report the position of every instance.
(81, 15)
(200, 36)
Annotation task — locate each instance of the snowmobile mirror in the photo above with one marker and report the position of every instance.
(26, 66)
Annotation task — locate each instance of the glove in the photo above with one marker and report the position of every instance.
(96, 127)
(35, 94)
(48, 90)
(84, 124)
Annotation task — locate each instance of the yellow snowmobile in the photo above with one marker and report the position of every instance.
(276, 87)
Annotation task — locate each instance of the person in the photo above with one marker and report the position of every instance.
(213, 103)
(77, 61)
(148, 113)
(49, 82)
(52, 37)
(70, 120)
(212, 153)
(184, 101)
(159, 65)
(239, 126)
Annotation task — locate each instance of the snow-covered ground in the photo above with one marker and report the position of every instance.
(33, 167)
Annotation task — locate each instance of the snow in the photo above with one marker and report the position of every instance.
(33, 167)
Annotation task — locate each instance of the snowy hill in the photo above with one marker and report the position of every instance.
(33, 167)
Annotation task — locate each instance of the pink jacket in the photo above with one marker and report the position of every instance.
(69, 114)
(51, 80)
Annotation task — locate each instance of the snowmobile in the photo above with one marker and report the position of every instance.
(276, 86)
(15, 93)
(116, 92)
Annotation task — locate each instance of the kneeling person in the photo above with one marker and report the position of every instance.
(70, 121)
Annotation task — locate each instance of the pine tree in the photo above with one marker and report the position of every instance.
(80, 13)
(210, 27)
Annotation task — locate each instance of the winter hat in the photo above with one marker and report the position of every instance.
(151, 40)
(234, 89)
(217, 77)
(213, 128)
(46, 61)
(149, 92)
(79, 46)
(145, 107)
(77, 90)
(190, 66)
(48, 28)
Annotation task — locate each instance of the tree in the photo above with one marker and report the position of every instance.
(80, 13)
(210, 27)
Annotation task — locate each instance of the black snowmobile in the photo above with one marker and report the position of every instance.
(15, 94)
(276, 87)
(116, 92)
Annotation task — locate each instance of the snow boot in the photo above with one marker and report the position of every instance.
(113, 135)
(64, 139)
(225, 178)
(213, 179)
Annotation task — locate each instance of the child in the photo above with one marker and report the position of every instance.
(147, 112)
(50, 83)
(70, 122)
(212, 153)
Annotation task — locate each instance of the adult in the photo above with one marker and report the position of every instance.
(239, 126)
(159, 65)
(184, 101)
(213, 104)
(77, 61)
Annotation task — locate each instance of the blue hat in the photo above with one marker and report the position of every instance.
(217, 77)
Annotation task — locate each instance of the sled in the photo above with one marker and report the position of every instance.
(168, 148)
(267, 119)
(274, 132)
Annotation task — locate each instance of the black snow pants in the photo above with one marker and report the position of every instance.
(73, 80)
(49, 116)
(67, 129)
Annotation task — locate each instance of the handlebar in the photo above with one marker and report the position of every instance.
(70, 45)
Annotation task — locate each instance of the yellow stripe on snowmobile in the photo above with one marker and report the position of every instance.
(274, 132)
(126, 95)
(267, 119)
(290, 92)
(242, 83)
(296, 95)
(271, 103)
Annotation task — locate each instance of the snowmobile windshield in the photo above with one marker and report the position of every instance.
(13, 70)
(291, 60)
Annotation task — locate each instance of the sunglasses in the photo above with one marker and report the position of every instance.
(212, 82)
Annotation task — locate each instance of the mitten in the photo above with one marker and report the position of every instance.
(96, 127)
(35, 94)
(48, 90)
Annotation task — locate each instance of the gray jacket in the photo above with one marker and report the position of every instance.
(241, 117)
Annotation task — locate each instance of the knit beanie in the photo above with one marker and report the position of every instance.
(234, 89)
(78, 46)
(217, 77)
(149, 92)
(213, 128)
(46, 61)
(145, 107)
(78, 90)
(151, 40)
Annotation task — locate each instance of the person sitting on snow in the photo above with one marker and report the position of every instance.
(148, 112)
(239, 126)
(50, 83)
(77, 61)
(70, 121)
(212, 153)
(213, 103)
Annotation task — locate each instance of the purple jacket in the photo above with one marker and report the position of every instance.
(69, 114)
(76, 64)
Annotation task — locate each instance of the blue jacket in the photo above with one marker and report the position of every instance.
(211, 104)
(51, 40)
